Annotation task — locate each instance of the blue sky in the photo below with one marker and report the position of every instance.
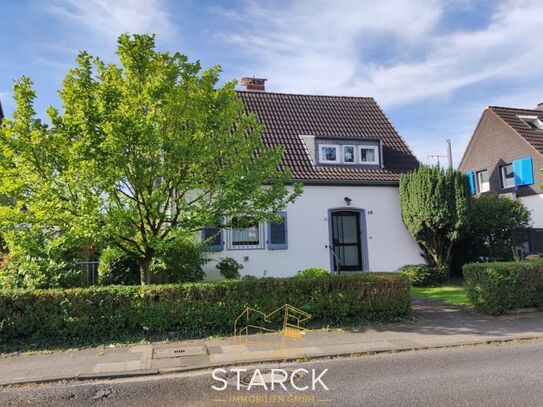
(432, 65)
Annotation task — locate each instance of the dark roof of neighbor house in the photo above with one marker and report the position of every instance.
(511, 116)
(287, 117)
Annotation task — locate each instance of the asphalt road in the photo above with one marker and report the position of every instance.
(486, 375)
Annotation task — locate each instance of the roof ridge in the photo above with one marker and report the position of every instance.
(305, 95)
(514, 108)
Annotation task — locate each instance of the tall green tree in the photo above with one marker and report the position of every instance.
(138, 152)
(435, 209)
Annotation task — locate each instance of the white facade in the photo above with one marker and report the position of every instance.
(534, 203)
(386, 242)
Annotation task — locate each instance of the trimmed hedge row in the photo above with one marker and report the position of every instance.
(496, 287)
(99, 314)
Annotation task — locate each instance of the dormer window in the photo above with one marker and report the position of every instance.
(328, 153)
(369, 155)
(532, 121)
(347, 152)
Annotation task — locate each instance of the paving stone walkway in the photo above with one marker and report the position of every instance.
(437, 325)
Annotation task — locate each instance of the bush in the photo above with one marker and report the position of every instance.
(117, 268)
(313, 272)
(100, 314)
(229, 268)
(496, 287)
(419, 275)
(493, 220)
(180, 261)
(39, 272)
(36, 260)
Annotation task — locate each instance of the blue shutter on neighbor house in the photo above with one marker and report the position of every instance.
(524, 174)
(471, 178)
(214, 238)
(278, 234)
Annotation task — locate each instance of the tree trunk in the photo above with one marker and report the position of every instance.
(145, 273)
(439, 258)
(441, 266)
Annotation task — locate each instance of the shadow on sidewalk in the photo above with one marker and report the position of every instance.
(440, 318)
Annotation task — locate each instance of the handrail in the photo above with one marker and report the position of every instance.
(338, 261)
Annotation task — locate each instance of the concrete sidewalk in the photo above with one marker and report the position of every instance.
(437, 325)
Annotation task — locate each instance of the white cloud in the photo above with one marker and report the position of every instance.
(313, 46)
(400, 53)
(110, 18)
(319, 47)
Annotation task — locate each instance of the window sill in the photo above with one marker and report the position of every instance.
(240, 248)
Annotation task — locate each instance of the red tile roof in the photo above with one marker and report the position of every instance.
(286, 117)
(511, 117)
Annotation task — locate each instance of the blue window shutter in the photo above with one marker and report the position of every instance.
(214, 237)
(524, 174)
(471, 177)
(278, 234)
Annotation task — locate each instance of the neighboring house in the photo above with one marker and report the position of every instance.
(349, 157)
(505, 157)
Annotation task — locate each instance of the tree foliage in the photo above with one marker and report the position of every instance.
(435, 208)
(138, 152)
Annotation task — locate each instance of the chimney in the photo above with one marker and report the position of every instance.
(539, 106)
(253, 84)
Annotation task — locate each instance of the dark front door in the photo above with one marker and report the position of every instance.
(346, 241)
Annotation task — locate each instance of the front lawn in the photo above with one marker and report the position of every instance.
(451, 293)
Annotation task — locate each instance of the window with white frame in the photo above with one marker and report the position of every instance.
(245, 233)
(508, 176)
(349, 154)
(329, 153)
(483, 180)
(532, 121)
(369, 155)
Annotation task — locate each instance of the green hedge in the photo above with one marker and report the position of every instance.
(496, 287)
(115, 313)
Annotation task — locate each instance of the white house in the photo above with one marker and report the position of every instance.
(349, 157)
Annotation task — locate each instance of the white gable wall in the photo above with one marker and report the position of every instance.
(534, 203)
(389, 243)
